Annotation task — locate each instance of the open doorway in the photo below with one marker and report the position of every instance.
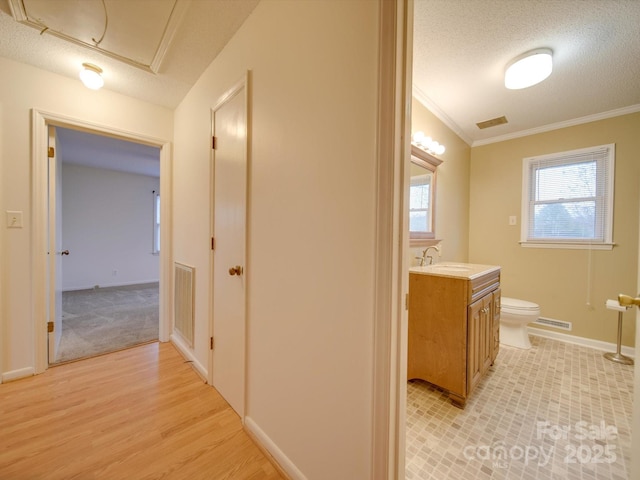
(107, 224)
(41, 267)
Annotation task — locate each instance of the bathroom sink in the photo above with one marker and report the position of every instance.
(451, 267)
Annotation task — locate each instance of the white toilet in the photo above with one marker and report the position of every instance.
(514, 316)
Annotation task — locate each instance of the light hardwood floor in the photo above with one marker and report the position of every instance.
(141, 413)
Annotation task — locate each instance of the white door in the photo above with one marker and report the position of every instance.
(54, 324)
(229, 126)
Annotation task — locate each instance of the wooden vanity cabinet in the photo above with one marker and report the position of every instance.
(453, 332)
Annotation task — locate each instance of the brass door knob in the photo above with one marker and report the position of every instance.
(237, 270)
(627, 301)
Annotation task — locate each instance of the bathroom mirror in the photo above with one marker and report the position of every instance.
(422, 197)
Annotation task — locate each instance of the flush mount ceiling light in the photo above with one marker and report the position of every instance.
(528, 69)
(91, 76)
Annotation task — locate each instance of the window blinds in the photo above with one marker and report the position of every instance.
(570, 196)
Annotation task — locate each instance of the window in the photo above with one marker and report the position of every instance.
(156, 223)
(568, 199)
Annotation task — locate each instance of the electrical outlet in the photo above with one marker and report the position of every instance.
(513, 220)
(14, 219)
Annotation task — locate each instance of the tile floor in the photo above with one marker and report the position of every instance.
(556, 411)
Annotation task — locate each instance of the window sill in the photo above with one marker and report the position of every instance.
(569, 245)
(423, 242)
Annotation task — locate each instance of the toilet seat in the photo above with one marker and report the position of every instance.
(518, 307)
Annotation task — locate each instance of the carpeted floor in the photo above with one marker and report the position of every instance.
(102, 320)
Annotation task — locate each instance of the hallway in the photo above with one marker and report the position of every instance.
(138, 413)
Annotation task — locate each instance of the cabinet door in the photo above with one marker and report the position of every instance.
(496, 325)
(479, 340)
(486, 332)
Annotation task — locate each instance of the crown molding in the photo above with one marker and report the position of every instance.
(439, 113)
(556, 126)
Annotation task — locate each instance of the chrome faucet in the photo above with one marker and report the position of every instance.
(425, 256)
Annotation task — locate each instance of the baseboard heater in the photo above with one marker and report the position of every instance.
(551, 322)
(184, 301)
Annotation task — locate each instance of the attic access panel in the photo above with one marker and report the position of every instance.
(137, 32)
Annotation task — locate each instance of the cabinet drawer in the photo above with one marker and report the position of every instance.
(480, 286)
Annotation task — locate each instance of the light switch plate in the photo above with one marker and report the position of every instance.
(513, 220)
(14, 219)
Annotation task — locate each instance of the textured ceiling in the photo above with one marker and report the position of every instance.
(461, 48)
(204, 29)
(129, 31)
(135, 30)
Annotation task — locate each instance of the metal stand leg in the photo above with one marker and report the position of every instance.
(618, 357)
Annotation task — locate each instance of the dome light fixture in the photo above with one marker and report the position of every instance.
(528, 69)
(91, 76)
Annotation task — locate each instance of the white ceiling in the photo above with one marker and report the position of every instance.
(98, 151)
(153, 50)
(202, 29)
(460, 50)
(106, 27)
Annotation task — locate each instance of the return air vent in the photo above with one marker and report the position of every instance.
(184, 301)
(550, 322)
(492, 123)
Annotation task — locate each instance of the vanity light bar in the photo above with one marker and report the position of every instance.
(427, 143)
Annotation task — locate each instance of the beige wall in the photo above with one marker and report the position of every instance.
(452, 189)
(23, 87)
(311, 224)
(558, 280)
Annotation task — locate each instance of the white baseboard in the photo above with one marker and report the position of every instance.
(18, 374)
(582, 341)
(187, 353)
(283, 461)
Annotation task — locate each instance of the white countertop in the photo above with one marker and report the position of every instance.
(455, 269)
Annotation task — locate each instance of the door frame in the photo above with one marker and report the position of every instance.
(392, 239)
(635, 421)
(243, 83)
(55, 234)
(40, 121)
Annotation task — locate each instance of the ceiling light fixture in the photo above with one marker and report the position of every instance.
(528, 69)
(427, 144)
(91, 76)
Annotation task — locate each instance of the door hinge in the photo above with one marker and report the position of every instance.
(51, 152)
(213, 142)
(213, 243)
(210, 343)
(50, 327)
(406, 301)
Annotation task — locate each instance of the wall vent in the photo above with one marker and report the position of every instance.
(550, 322)
(184, 301)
